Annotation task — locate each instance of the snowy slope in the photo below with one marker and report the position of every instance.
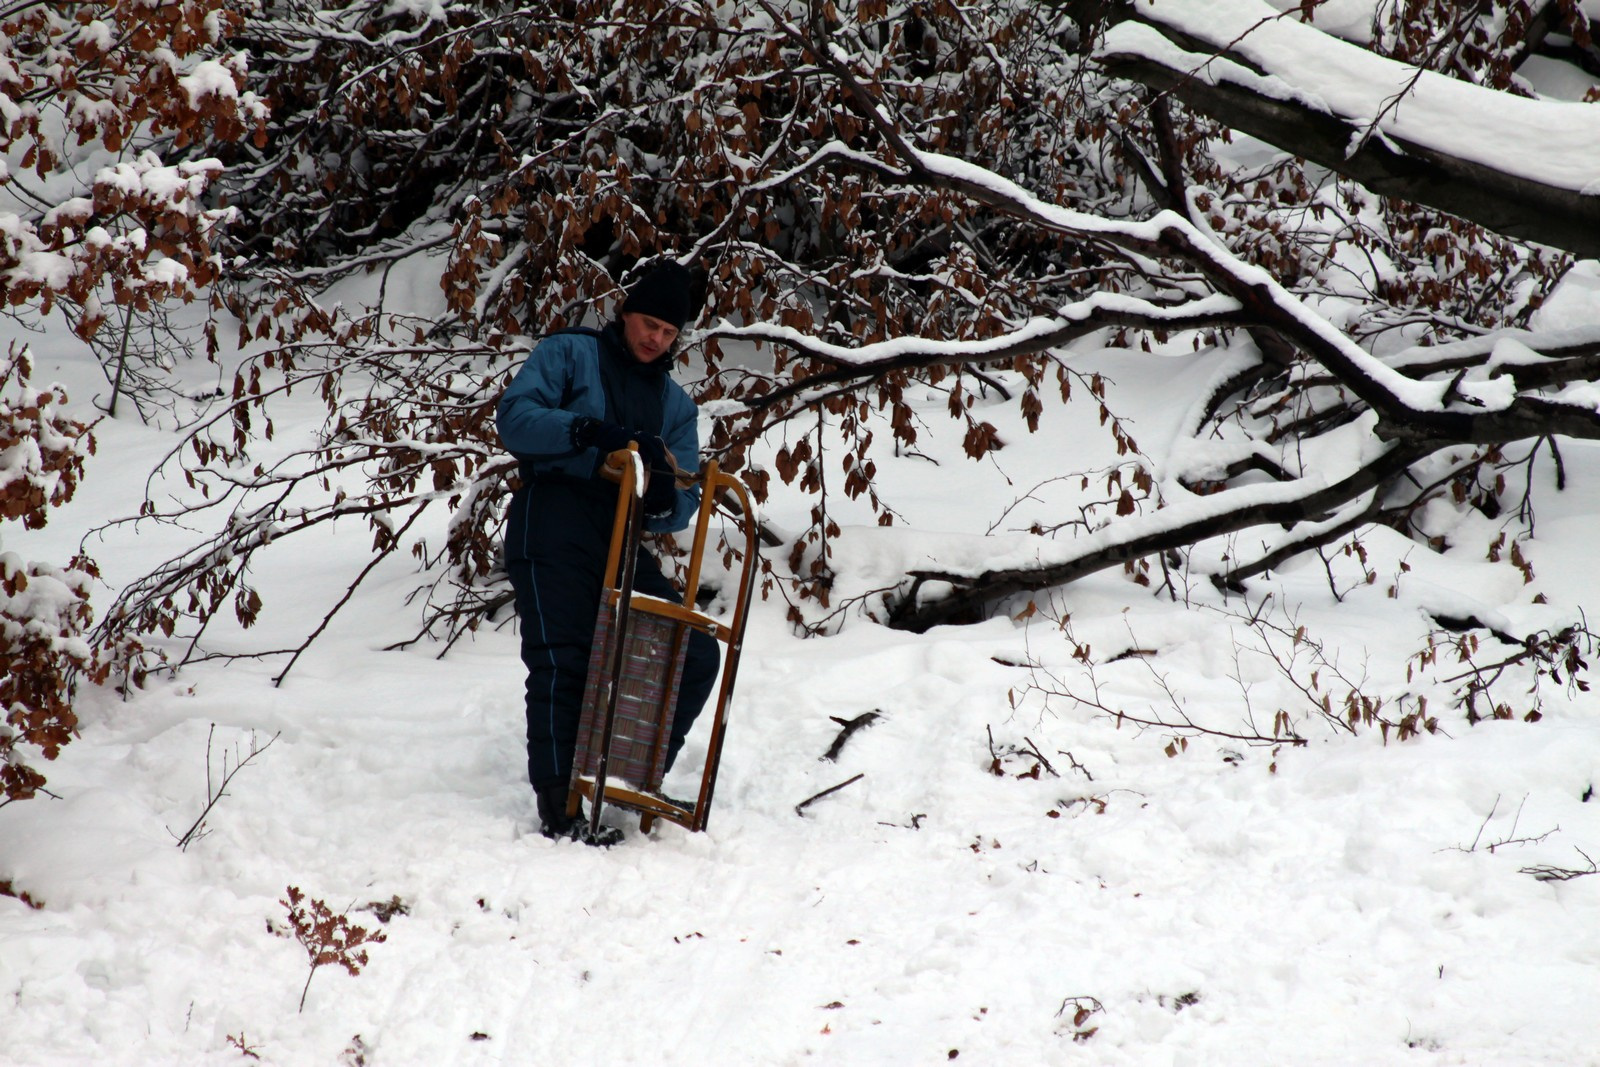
(1347, 902)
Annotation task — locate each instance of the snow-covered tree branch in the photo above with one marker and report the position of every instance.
(879, 198)
(1526, 168)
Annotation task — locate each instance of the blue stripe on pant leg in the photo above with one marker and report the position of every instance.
(544, 636)
(535, 640)
(558, 580)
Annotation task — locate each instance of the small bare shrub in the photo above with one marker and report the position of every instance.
(1474, 670)
(217, 788)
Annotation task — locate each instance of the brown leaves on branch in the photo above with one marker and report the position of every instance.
(44, 609)
(124, 77)
(326, 937)
(537, 164)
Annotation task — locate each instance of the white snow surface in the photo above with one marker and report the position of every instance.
(1348, 902)
(1009, 877)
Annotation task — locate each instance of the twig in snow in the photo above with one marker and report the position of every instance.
(1080, 768)
(1509, 839)
(1034, 749)
(800, 808)
(848, 728)
(1545, 872)
(196, 831)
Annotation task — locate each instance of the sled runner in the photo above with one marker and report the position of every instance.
(637, 659)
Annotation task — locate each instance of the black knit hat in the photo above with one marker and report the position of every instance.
(662, 294)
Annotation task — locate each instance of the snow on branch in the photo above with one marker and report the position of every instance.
(1196, 518)
(851, 365)
(1527, 168)
(1408, 408)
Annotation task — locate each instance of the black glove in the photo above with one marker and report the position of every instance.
(660, 492)
(653, 452)
(590, 432)
(660, 495)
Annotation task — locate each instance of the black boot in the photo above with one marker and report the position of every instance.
(554, 822)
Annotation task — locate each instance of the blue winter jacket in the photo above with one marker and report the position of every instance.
(560, 382)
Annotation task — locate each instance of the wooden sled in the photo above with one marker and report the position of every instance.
(637, 659)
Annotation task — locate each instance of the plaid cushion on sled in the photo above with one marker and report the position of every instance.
(647, 693)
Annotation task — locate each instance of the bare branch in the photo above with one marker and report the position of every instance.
(800, 808)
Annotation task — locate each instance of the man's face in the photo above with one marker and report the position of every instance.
(648, 337)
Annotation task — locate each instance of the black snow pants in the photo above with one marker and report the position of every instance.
(558, 533)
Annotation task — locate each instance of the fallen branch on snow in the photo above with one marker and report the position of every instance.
(800, 808)
(848, 729)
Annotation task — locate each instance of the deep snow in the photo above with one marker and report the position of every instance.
(1348, 902)
(1335, 904)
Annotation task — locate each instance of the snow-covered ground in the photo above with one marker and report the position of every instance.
(1012, 879)
(1004, 873)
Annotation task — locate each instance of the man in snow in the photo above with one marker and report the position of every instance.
(581, 395)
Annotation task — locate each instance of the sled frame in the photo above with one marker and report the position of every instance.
(631, 627)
